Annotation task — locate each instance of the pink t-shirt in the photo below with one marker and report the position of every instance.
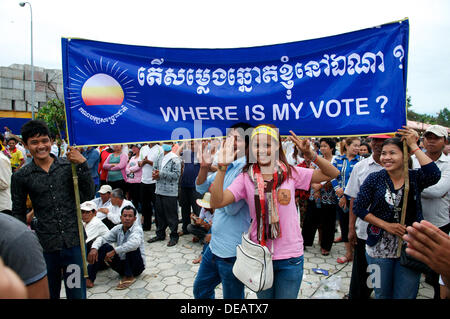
(290, 244)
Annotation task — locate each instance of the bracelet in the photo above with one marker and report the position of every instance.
(415, 150)
(314, 160)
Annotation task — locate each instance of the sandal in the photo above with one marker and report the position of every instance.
(324, 252)
(125, 284)
(343, 260)
(338, 240)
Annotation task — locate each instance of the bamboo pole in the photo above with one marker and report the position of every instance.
(405, 194)
(80, 224)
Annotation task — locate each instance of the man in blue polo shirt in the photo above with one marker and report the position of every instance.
(227, 227)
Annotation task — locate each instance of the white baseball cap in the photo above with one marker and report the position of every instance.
(88, 206)
(437, 130)
(105, 189)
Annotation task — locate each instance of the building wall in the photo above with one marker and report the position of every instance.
(15, 87)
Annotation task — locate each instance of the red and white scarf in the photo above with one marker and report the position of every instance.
(268, 219)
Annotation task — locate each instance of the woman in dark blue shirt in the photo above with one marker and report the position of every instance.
(379, 203)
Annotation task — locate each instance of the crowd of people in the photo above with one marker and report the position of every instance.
(283, 190)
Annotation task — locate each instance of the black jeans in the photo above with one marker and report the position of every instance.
(358, 282)
(148, 203)
(166, 208)
(188, 198)
(343, 223)
(323, 217)
(131, 266)
(134, 192)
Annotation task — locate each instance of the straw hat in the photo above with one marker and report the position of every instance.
(205, 201)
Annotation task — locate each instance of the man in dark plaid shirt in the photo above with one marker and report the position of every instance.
(49, 183)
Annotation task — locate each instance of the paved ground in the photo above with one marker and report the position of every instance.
(170, 274)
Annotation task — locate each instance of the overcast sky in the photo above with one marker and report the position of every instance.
(228, 24)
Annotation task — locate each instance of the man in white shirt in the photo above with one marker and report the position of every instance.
(436, 199)
(118, 202)
(148, 154)
(94, 228)
(5, 184)
(358, 236)
(104, 201)
(92, 224)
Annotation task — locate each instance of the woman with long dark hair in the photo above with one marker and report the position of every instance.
(268, 185)
(379, 202)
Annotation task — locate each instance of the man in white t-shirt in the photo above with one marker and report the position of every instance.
(436, 199)
(148, 154)
(357, 234)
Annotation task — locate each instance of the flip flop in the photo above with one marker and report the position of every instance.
(324, 252)
(125, 284)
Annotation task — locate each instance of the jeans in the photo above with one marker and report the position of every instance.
(166, 208)
(147, 198)
(70, 262)
(395, 281)
(213, 271)
(287, 278)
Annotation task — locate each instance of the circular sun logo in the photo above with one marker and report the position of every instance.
(101, 83)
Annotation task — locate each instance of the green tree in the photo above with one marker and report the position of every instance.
(443, 117)
(54, 115)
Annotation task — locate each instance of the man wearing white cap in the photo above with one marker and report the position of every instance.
(94, 228)
(103, 203)
(436, 198)
(92, 224)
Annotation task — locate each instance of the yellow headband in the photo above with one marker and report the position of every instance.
(263, 129)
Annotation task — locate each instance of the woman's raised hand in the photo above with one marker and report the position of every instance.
(227, 153)
(303, 145)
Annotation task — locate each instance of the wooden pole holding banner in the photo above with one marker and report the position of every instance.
(405, 194)
(80, 223)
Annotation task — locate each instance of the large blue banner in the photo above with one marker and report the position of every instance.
(348, 84)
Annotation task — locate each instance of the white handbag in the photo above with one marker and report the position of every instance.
(253, 266)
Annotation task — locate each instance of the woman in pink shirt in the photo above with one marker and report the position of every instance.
(268, 185)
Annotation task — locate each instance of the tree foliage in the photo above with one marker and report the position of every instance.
(54, 115)
(442, 118)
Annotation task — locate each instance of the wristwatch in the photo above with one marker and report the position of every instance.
(222, 167)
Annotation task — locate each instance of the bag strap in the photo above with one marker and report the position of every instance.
(248, 232)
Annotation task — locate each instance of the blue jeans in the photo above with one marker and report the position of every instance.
(287, 278)
(213, 271)
(395, 281)
(70, 262)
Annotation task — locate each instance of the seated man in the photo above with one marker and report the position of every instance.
(104, 201)
(112, 212)
(92, 224)
(127, 258)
